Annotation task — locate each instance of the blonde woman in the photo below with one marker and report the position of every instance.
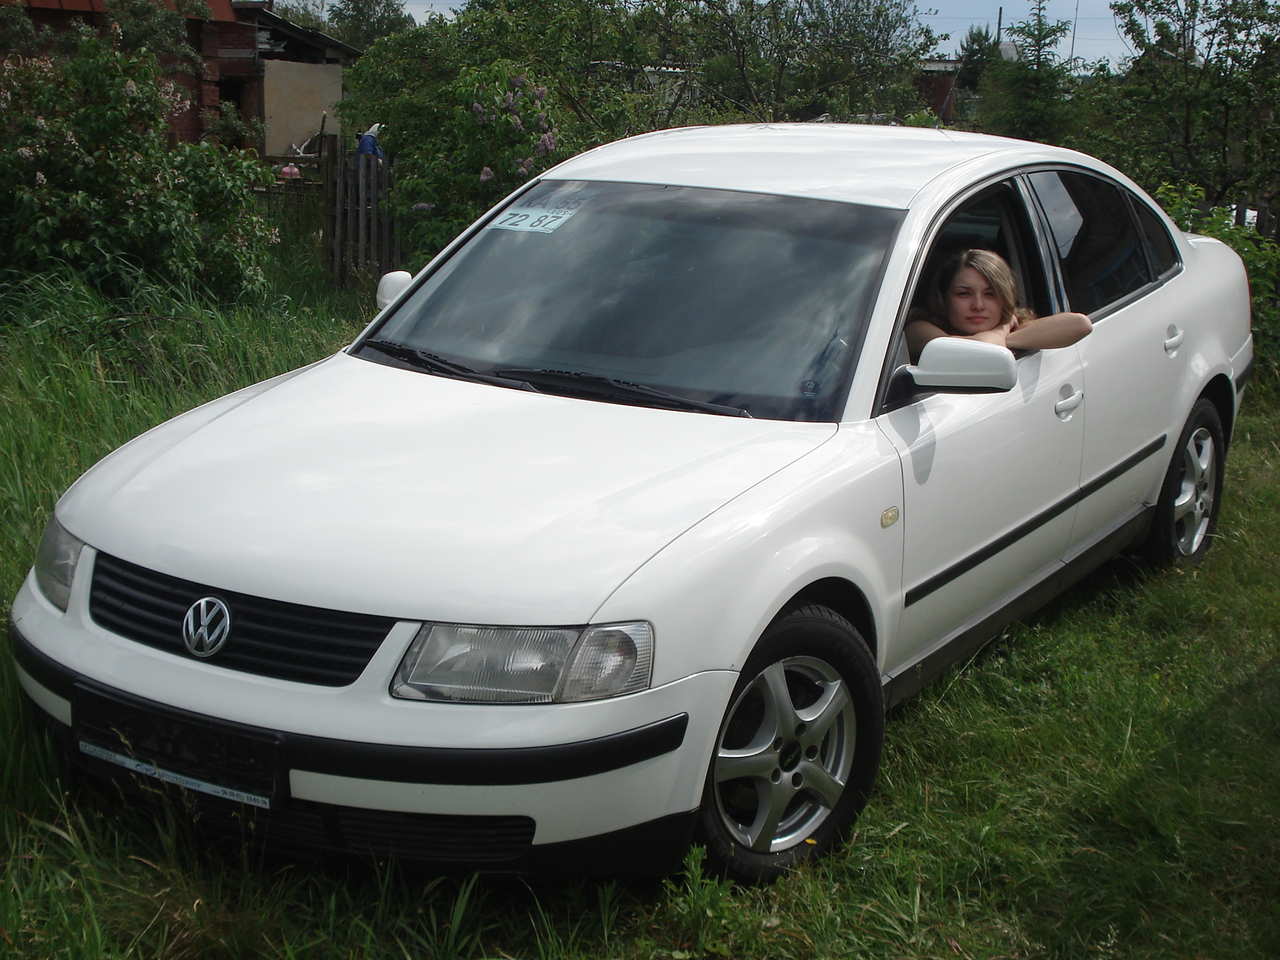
(973, 296)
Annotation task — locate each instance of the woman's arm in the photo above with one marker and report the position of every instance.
(920, 332)
(1046, 333)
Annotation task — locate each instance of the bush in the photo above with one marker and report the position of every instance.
(1261, 255)
(94, 185)
(463, 134)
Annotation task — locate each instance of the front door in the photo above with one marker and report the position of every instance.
(988, 482)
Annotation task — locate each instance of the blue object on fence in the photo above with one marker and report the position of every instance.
(368, 143)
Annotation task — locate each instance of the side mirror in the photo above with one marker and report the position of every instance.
(391, 286)
(957, 365)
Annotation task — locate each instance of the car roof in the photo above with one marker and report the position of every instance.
(857, 163)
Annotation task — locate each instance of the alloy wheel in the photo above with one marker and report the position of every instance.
(1193, 506)
(785, 754)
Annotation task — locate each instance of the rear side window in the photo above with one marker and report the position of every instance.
(1164, 255)
(1097, 241)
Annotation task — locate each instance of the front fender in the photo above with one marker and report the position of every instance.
(711, 592)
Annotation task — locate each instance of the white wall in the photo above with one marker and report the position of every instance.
(293, 97)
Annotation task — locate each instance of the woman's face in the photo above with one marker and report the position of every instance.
(972, 304)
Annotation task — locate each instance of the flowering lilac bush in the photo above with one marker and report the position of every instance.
(461, 138)
(93, 184)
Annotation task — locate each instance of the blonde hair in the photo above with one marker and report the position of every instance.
(994, 270)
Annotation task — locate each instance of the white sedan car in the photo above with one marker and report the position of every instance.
(629, 516)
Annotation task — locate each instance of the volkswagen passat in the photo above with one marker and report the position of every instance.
(627, 518)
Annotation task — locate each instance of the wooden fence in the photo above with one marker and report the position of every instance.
(361, 233)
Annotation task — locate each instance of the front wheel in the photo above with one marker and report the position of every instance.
(798, 749)
(1187, 512)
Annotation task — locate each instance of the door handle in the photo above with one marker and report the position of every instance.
(1071, 398)
(1173, 339)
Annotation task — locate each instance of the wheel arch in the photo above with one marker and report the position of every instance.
(843, 597)
(1221, 394)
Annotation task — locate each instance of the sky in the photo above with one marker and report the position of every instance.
(1096, 35)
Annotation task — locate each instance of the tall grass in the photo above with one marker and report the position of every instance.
(1102, 781)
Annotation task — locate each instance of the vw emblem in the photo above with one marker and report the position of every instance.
(206, 626)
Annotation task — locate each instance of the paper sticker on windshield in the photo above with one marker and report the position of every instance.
(534, 219)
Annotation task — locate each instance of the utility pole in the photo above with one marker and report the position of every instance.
(1074, 22)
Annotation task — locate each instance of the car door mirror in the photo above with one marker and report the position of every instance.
(958, 365)
(391, 286)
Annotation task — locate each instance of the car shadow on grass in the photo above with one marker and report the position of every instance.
(1181, 859)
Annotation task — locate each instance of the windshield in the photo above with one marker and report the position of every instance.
(740, 302)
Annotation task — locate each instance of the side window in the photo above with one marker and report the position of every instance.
(1164, 255)
(1097, 241)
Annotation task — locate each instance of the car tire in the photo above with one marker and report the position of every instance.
(1187, 512)
(798, 749)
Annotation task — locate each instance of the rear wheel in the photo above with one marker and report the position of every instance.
(798, 749)
(1187, 512)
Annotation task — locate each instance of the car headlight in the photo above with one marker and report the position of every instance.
(478, 664)
(56, 563)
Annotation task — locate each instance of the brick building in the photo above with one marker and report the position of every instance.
(274, 71)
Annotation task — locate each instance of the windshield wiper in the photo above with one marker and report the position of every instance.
(595, 384)
(434, 363)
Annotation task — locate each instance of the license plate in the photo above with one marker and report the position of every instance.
(148, 769)
(219, 760)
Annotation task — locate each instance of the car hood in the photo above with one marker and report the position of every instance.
(358, 486)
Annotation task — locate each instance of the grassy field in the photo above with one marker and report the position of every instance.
(1102, 781)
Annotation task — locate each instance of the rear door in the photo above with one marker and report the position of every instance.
(1115, 259)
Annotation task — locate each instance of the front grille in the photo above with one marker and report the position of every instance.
(268, 637)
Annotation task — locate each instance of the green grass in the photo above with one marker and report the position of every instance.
(1102, 781)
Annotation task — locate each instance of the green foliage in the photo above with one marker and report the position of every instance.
(150, 27)
(1261, 256)
(17, 34)
(361, 22)
(800, 59)
(606, 69)
(477, 105)
(498, 132)
(922, 118)
(463, 133)
(305, 13)
(226, 127)
(1028, 97)
(94, 184)
(977, 51)
(1196, 104)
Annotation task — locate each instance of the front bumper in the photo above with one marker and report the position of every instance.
(476, 801)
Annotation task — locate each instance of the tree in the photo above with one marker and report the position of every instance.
(799, 59)
(305, 13)
(477, 104)
(1028, 97)
(361, 22)
(1197, 103)
(977, 51)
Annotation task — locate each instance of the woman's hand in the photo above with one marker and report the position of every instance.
(997, 335)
